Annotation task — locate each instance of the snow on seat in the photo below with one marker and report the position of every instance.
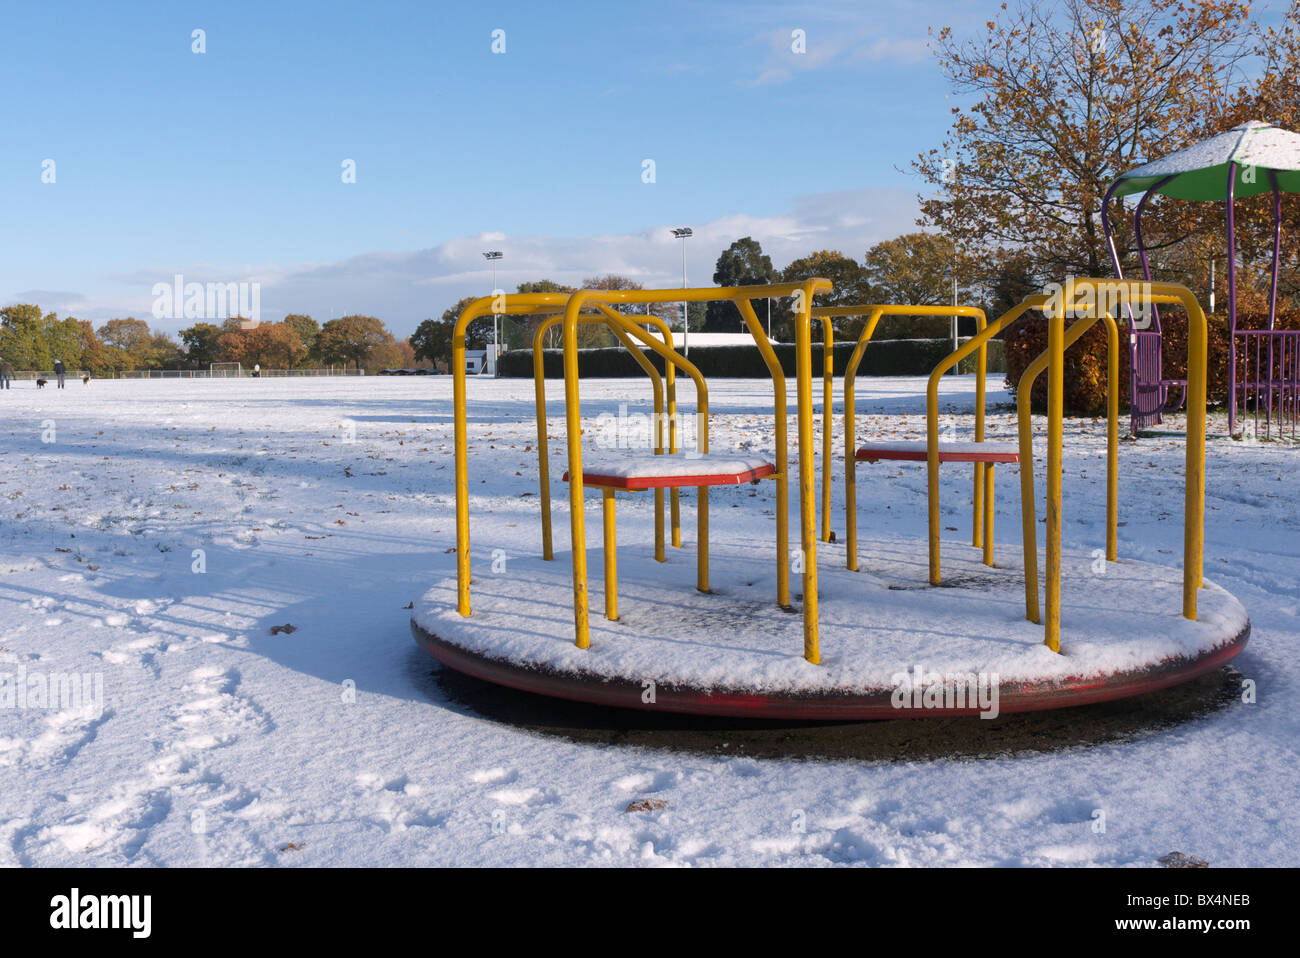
(655, 472)
(915, 451)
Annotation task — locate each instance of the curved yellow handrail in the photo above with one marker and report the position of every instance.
(1132, 291)
(657, 387)
(807, 473)
(976, 342)
(573, 422)
(1028, 512)
(826, 314)
(803, 292)
(671, 383)
(516, 304)
(874, 314)
(782, 452)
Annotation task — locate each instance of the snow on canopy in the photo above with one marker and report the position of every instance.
(1200, 171)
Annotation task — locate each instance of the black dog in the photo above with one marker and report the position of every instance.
(40, 383)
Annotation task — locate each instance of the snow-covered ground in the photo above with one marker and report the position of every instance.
(153, 533)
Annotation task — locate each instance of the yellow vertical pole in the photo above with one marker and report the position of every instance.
(702, 538)
(660, 428)
(461, 451)
(987, 486)
(932, 481)
(981, 373)
(675, 510)
(657, 389)
(807, 473)
(1055, 429)
(828, 402)
(543, 455)
(573, 423)
(1028, 511)
(851, 442)
(782, 450)
(1024, 402)
(659, 526)
(611, 555)
(674, 504)
(1112, 439)
(1194, 494)
(850, 479)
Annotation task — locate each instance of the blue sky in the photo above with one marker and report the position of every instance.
(226, 166)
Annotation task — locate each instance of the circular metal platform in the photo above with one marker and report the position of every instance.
(830, 705)
(892, 646)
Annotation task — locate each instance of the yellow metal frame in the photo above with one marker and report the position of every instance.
(671, 358)
(1029, 515)
(1059, 339)
(874, 315)
(740, 295)
(782, 451)
(979, 343)
(657, 387)
(514, 304)
(826, 314)
(1194, 490)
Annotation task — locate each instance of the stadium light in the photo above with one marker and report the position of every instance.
(683, 233)
(492, 256)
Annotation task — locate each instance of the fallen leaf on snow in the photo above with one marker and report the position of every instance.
(646, 805)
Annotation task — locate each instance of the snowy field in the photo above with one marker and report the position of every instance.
(154, 533)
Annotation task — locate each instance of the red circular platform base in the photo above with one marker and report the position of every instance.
(831, 705)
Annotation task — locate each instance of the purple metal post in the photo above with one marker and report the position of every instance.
(1132, 337)
(1277, 247)
(1141, 245)
(1272, 299)
(1152, 366)
(1232, 298)
(1110, 239)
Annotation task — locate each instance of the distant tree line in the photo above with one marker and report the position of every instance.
(32, 339)
(917, 268)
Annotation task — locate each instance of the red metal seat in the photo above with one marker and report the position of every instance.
(658, 472)
(916, 451)
(643, 471)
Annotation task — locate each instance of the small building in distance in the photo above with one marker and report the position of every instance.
(478, 361)
(712, 339)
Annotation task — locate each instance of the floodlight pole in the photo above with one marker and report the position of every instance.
(955, 344)
(492, 256)
(682, 233)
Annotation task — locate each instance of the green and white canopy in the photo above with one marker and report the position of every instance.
(1200, 172)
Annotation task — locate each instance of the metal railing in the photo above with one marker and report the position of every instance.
(1267, 363)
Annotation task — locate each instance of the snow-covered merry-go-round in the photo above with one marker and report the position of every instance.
(898, 630)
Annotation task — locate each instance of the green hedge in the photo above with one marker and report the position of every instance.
(889, 357)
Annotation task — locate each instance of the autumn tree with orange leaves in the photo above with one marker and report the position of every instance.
(1062, 98)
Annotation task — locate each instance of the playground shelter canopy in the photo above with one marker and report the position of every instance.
(1248, 160)
(1200, 171)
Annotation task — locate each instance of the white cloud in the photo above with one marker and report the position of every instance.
(837, 45)
(402, 288)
